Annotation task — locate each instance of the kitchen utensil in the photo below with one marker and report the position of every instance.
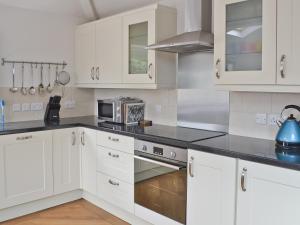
(63, 78)
(49, 87)
(289, 132)
(41, 85)
(32, 88)
(56, 83)
(289, 154)
(23, 88)
(13, 89)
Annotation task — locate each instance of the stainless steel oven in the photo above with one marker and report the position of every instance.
(160, 188)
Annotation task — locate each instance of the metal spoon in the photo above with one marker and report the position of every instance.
(23, 89)
(41, 86)
(32, 88)
(13, 89)
(49, 87)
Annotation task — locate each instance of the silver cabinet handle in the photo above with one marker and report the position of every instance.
(113, 183)
(243, 180)
(24, 138)
(282, 66)
(73, 138)
(150, 71)
(98, 73)
(82, 138)
(113, 155)
(114, 139)
(218, 74)
(93, 73)
(191, 165)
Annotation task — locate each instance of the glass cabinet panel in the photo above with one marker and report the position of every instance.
(244, 36)
(138, 55)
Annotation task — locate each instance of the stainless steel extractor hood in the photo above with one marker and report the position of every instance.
(198, 36)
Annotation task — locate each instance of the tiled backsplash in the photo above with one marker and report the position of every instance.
(160, 104)
(84, 104)
(244, 106)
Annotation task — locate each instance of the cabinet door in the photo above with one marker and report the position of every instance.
(139, 63)
(288, 42)
(269, 195)
(85, 54)
(109, 50)
(66, 160)
(25, 168)
(89, 161)
(211, 189)
(245, 42)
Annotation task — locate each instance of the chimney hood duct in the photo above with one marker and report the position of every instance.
(197, 37)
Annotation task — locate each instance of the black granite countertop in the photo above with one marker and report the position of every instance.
(174, 136)
(251, 149)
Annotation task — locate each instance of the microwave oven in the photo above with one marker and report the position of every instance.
(123, 110)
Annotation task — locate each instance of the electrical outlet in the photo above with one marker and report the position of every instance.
(36, 106)
(26, 107)
(16, 107)
(261, 118)
(272, 119)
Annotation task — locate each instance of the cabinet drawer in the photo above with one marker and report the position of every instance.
(115, 163)
(115, 141)
(115, 192)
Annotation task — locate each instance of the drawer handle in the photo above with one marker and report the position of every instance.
(24, 138)
(82, 138)
(73, 138)
(93, 73)
(191, 167)
(150, 71)
(282, 66)
(113, 183)
(218, 62)
(243, 180)
(114, 139)
(113, 155)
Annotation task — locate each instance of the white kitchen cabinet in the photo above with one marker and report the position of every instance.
(85, 53)
(88, 160)
(245, 41)
(288, 35)
(66, 160)
(25, 168)
(211, 189)
(109, 50)
(141, 29)
(267, 195)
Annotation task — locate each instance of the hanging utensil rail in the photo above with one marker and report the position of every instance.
(4, 61)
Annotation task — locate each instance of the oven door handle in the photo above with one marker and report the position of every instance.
(158, 163)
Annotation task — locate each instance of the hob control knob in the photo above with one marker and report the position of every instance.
(144, 148)
(173, 155)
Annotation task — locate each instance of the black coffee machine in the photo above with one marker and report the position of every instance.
(52, 110)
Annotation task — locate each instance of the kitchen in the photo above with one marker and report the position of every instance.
(208, 82)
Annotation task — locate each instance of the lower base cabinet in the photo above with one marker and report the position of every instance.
(211, 189)
(66, 160)
(267, 195)
(25, 168)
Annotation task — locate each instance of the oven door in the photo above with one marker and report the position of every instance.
(160, 187)
(106, 110)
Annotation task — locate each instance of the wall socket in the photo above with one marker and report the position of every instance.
(16, 107)
(36, 106)
(272, 119)
(261, 118)
(26, 107)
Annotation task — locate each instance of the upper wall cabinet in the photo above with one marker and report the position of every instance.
(288, 42)
(111, 52)
(245, 42)
(99, 52)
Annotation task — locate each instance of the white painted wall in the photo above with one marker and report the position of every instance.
(33, 35)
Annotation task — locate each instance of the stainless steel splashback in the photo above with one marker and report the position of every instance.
(199, 104)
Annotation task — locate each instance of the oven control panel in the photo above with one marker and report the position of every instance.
(169, 152)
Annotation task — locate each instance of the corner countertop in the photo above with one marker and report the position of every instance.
(250, 149)
(174, 136)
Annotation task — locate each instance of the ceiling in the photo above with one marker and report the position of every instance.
(79, 8)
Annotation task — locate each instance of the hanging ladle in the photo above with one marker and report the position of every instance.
(41, 85)
(32, 88)
(49, 87)
(13, 89)
(23, 89)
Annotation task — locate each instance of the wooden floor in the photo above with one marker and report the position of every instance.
(79, 212)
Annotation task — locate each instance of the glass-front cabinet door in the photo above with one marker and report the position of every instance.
(139, 32)
(245, 41)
